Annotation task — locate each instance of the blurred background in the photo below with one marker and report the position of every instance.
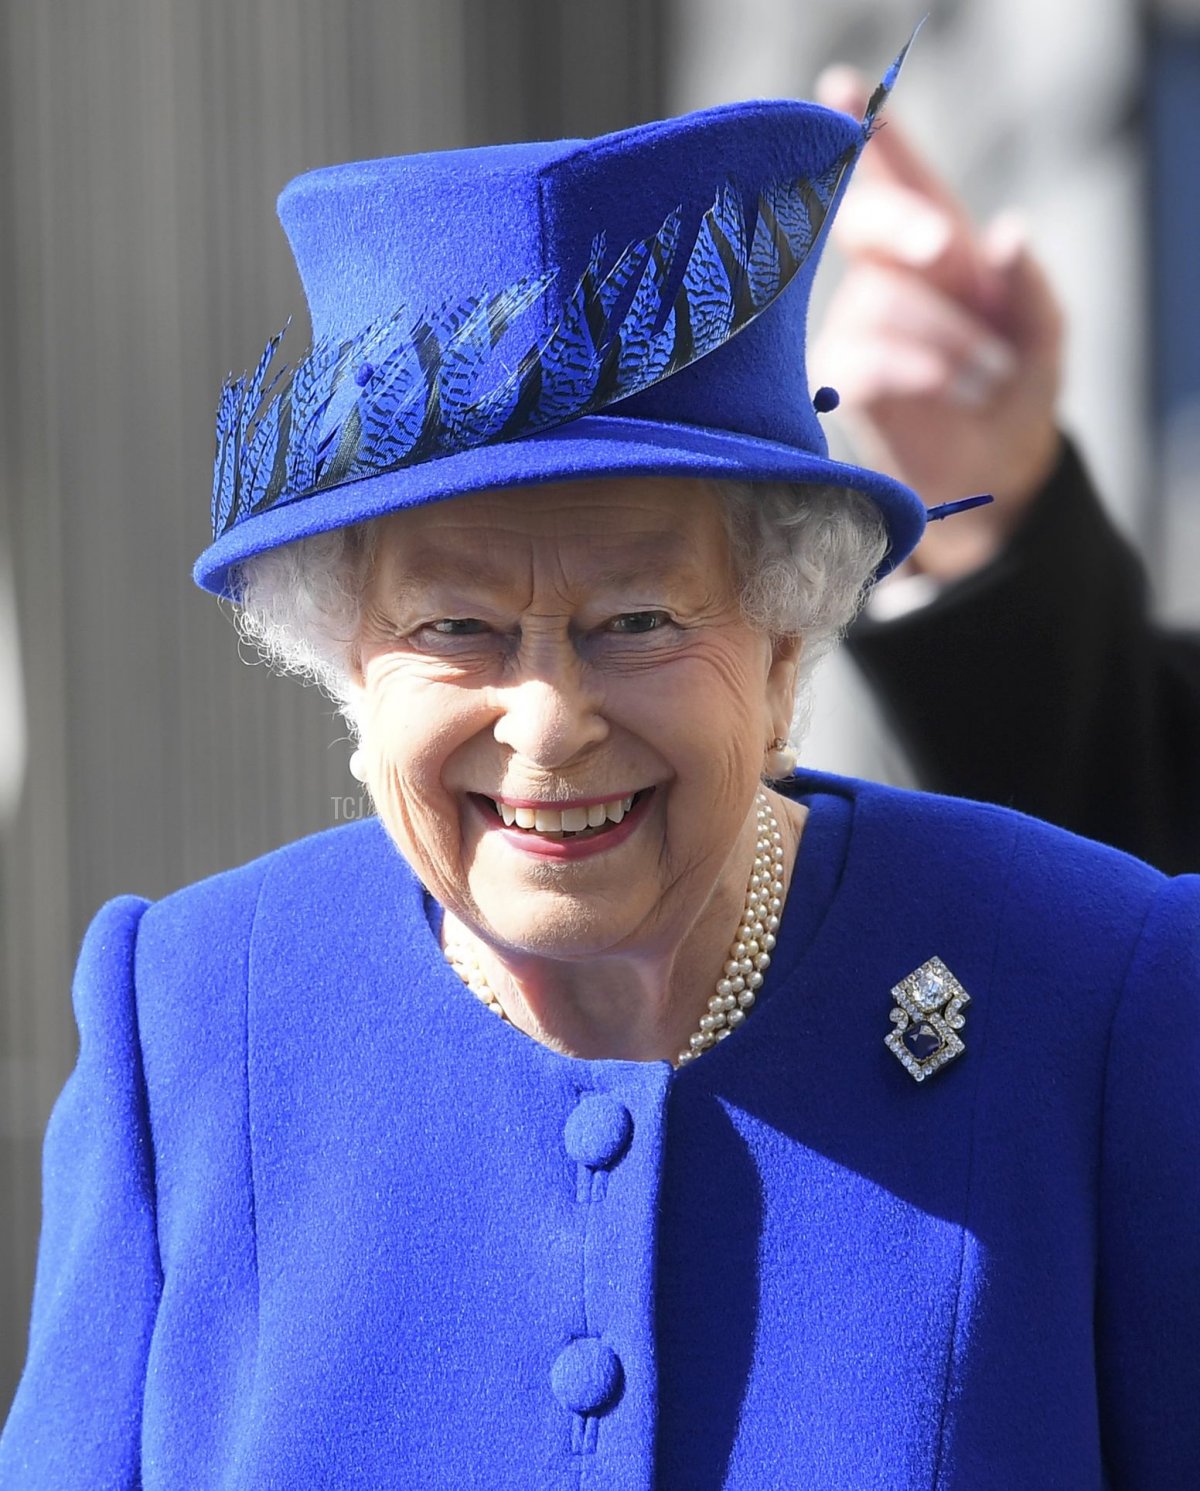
(142, 144)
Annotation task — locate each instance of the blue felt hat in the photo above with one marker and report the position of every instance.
(529, 313)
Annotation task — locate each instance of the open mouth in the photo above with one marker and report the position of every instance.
(564, 824)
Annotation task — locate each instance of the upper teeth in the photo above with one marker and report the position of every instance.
(565, 820)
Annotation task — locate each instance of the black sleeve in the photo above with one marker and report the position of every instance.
(1041, 682)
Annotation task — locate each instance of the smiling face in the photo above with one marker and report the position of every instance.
(563, 712)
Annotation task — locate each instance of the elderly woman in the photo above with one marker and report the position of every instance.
(827, 1137)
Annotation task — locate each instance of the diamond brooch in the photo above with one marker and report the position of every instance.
(926, 1017)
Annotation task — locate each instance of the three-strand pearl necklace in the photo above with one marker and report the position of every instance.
(749, 953)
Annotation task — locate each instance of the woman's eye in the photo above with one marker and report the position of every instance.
(457, 626)
(636, 622)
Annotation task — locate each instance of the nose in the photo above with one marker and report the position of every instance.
(548, 717)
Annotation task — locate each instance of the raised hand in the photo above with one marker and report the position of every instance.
(944, 341)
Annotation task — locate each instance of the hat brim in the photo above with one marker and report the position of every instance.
(596, 446)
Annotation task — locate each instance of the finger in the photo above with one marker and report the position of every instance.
(884, 372)
(890, 155)
(880, 368)
(885, 221)
(882, 300)
(844, 88)
(1028, 310)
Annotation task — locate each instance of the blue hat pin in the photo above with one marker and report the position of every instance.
(472, 327)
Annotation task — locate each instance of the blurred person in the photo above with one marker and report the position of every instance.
(1016, 656)
(620, 1106)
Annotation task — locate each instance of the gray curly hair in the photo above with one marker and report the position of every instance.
(803, 556)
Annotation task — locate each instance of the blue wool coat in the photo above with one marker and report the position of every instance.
(315, 1218)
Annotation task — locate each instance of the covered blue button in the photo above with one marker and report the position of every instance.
(587, 1376)
(597, 1134)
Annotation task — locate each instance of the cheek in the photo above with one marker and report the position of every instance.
(411, 723)
(393, 735)
(713, 702)
(410, 730)
(705, 716)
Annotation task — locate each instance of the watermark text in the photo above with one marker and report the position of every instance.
(347, 809)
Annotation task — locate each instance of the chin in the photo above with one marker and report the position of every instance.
(554, 925)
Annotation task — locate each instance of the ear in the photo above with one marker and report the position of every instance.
(782, 676)
(355, 676)
(354, 707)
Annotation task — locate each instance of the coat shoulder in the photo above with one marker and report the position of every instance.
(1046, 871)
(1020, 901)
(199, 938)
(228, 899)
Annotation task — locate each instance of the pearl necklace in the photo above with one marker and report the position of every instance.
(749, 953)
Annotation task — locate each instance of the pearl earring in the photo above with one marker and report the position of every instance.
(357, 769)
(781, 759)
